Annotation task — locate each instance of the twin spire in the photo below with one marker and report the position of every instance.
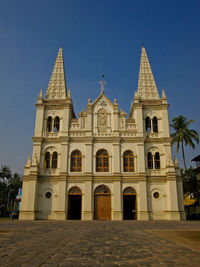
(146, 84)
(57, 84)
(147, 88)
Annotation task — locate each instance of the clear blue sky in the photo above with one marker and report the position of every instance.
(97, 37)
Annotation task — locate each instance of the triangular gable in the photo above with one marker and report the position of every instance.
(98, 99)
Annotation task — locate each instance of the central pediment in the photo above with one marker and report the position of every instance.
(102, 102)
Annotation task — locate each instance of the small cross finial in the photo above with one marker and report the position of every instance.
(102, 83)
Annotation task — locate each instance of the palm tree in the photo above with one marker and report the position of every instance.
(183, 135)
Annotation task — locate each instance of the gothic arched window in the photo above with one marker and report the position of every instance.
(47, 160)
(148, 124)
(54, 160)
(49, 124)
(157, 160)
(56, 124)
(128, 161)
(150, 160)
(155, 124)
(76, 161)
(102, 161)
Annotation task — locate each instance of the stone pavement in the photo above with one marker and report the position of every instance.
(93, 243)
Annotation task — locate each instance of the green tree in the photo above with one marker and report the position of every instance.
(9, 186)
(182, 135)
(189, 181)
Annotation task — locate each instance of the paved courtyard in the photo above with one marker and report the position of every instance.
(94, 243)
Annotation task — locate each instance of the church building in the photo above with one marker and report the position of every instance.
(102, 164)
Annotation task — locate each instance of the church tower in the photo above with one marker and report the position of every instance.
(151, 115)
(50, 148)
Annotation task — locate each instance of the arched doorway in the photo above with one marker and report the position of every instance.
(102, 203)
(74, 203)
(129, 204)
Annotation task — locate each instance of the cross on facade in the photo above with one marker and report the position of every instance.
(102, 83)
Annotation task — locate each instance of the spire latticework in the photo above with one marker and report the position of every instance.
(57, 84)
(146, 84)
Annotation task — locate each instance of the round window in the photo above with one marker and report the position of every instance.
(48, 195)
(156, 195)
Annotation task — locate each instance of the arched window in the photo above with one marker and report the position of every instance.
(47, 160)
(56, 126)
(128, 159)
(54, 160)
(129, 191)
(157, 160)
(150, 160)
(102, 161)
(75, 190)
(148, 124)
(102, 189)
(76, 161)
(49, 124)
(155, 124)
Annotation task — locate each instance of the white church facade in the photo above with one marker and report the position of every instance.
(103, 164)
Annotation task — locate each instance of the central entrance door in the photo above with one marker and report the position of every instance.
(102, 203)
(129, 204)
(74, 203)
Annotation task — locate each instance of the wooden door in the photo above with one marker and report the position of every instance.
(102, 207)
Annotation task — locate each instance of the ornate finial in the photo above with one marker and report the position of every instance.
(163, 94)
(40, 95)
(176, 162)
(102, 83)
(115, 101)
(89, 101)
(69, 93)
(28, 163)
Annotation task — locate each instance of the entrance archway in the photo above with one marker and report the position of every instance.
(129, 204)
(102, 203)
(74, 203)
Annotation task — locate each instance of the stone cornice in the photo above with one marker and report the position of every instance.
(104, 179)
(39, 105)
(37, 139)
(158, 140)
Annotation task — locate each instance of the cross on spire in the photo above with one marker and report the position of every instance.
(102, 83)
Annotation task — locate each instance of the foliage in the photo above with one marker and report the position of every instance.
(189, 181)
(9, 186)
(182, 135)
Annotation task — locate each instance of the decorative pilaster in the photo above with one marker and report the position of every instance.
(87, 204)
(29, 191)
(142, 205)
(117, 208)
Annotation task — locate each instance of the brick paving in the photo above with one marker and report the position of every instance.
(93, 243)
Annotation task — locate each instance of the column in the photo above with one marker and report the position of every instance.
(172, 211)
(87, 203)
(142, 199)
(117, 201)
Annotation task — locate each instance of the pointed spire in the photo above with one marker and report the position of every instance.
(146, 84)
(176, 163)
(57, 84)
(40, 97)
(28, 163)
(69, 93)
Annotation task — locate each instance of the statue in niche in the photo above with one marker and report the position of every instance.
(102, 121)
